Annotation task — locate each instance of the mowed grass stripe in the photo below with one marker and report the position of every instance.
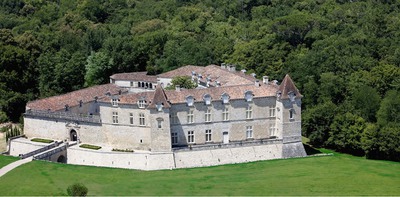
(5, 160)
(331, 175)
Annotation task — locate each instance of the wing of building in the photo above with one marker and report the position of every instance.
(231, 117)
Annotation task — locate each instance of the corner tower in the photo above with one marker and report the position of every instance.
(288, 107)
(159, 121)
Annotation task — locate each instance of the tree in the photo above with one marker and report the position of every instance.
(389, 109)
(98, 68)
(77, 189)
(183, 82)
(345, 133)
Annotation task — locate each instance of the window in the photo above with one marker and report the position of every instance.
(208, 135)
(174, 118)
(174, 138)
(159, 123)
(208, 115)
(249, 131)
(141, 103)
(248, 96)
(291, 114)
(190, 137)
(249, 112)
(225, 98)
(272, 129)
(225, 114)
(272, 111)
(142, 119)
(189, 100)
(115, 117)
(207, 99)
(114, 102)
(131, 118)
(190, 117)
(131, 83)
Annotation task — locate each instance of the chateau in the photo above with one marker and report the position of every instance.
(231, 117)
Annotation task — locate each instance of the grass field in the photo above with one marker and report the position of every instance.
(5, 160)
(329, 175)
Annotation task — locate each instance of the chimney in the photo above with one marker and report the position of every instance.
(232, 68)
(244, 71)
(223, 66)
(265, 80)
(178, 88)
(275, 82)
(217, 83)
(257, 83)
(253, 74)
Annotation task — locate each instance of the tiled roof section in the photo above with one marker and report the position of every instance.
(132, 98)
(216, 73)
(287, 86)
(234, 92)
(159, 97)
(71, 99)
(134, 76)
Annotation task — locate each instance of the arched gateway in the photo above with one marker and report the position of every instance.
(73, 135)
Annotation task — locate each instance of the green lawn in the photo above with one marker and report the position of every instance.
(329, 175)
(5, 160)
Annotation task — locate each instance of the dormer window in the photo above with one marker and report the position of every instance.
(80, 103)
(207, 99)
(114, 102)
(292, 96)
(159, 106)
(189, 100)
(142, 103)
(278, 94)
(248, 96)
(66, 107)
(225, 98)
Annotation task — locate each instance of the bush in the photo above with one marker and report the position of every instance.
(77, 189)
(90, 146)
(42, 140)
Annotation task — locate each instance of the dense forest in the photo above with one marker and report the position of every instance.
(344, 55)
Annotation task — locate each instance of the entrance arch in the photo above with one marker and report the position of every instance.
(61, 159)
(73, 135)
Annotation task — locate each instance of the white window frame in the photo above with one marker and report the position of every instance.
(249, 112)
(207, 115)
(272, 110)
(249, 132)
(190, 137)
(225, 114)
(272, 129)
(115, 117)
(174, 138)
(142, 119)
(174, 118)
(114, 102)
(141, 104)
(190, 116)
(208, 135)
(131, 118)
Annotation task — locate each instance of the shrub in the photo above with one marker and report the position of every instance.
(90, 146)
(77, 189)
(42, 140)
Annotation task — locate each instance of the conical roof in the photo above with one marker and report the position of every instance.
(288, 86)
(159, 97)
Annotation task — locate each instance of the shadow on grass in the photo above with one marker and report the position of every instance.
(310, 150)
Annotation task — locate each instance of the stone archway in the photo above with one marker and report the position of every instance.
(61, 159)
(73, 135)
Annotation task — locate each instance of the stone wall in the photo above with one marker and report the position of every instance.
(22, 146)
(189, 159)
(136, 160)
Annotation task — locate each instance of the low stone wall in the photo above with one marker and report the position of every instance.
(295, 149)
(189, 159)
(171, 160)
(22, 146)
(135, 160)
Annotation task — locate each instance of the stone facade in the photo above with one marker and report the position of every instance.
(232, 122)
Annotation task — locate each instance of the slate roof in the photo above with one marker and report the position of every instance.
(134, 76)
(71, 99)
(287, 86)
